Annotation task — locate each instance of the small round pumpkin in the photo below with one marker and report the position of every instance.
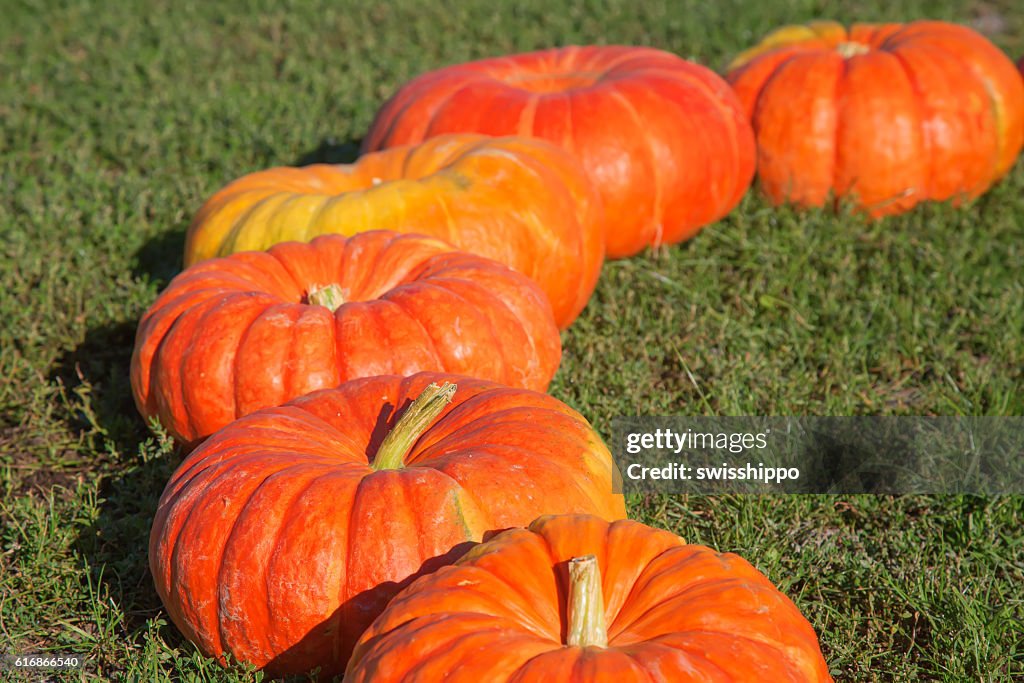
(232, 335)
(663, 139)
(574, 598)
(887, 115)
(524, 203)
(282, 536)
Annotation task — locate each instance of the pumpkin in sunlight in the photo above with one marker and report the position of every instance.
(664, 139)
(232, 335)
(886, 115)
(524, 203)
(285, 534)
(576, 598)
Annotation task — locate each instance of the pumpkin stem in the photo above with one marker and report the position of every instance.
(330, 296)
(851, 49)
(414, 421)
(586, 604)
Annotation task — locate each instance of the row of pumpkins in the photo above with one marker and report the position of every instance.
(356, 355)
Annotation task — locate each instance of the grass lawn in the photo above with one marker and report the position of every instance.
(118, 118)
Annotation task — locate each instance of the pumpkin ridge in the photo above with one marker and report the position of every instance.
(692, 655)
(646, 59)
(777, 650)
(656, 225)
(630, 652)
(923, 116)
(395, 299)
(484, 450)
(528, 116)
(442, 104)
(616, 629)
(378, 307)
(449, 221)
(296, 496)
(527, 618)
(287, 263)
(237, 359)
(838, 98)
(170, 339)
(698, 589)
(348, 259)
(283, 350)
(190, 350)
(477, 425)
(452, 644)
(216, 634)
(230, 239)
(289, 368)
(395, 115)
(333, 432)
(520, 612)
(998, 119)
(497, 339)
(401, 274)
(723, 201)
(422, 525)
(894, 40)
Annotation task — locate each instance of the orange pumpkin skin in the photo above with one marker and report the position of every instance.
(887, 114)
(664, 139)
(230, 336)
(675, 613)
(521, 202)
(276, 541)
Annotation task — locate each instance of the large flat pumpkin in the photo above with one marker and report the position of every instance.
(285, 534)
(575, 599)
(524, 203)
(255, 329)
(886, 115)
(664, 139)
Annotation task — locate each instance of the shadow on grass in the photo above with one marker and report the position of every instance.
(132, 467)
(331, 151)
(161, 258)
(94, 377)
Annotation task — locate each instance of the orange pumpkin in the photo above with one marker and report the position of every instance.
(886, 114)
(232, 335)
(283, 535)
(574, 598)
(663, 139)
(521, 202)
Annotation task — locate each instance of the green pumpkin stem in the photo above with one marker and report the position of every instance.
(586, 604)
(330, 296)
(414, 421)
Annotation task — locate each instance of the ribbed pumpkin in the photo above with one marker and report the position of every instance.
(256, 329)
(664, 139)
(521, 202)
(886, 114)
(574, 598)
(284, 535)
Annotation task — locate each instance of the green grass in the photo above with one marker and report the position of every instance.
(118, 119)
